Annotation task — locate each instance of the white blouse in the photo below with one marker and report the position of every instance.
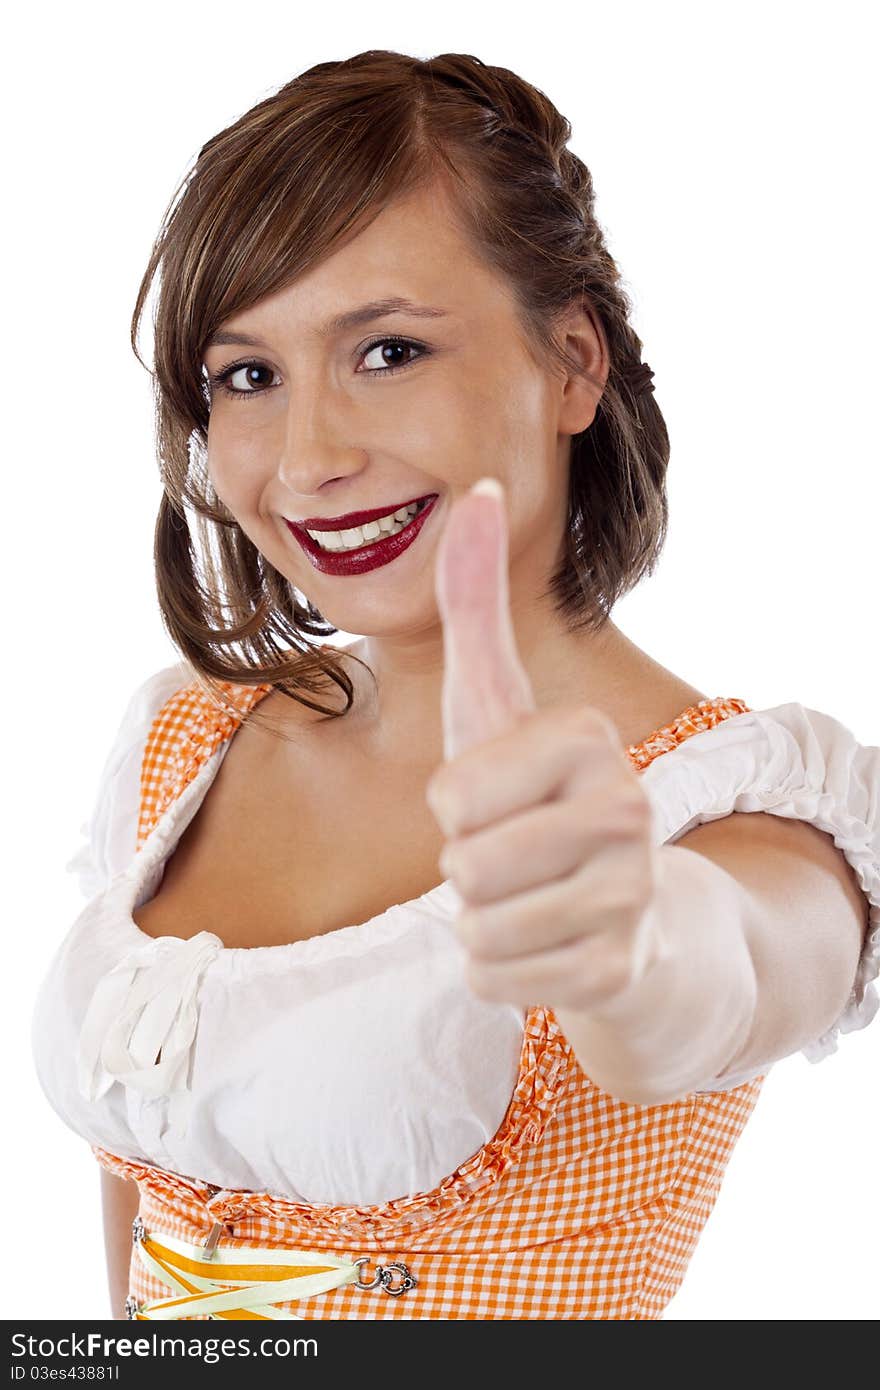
(356, 1067)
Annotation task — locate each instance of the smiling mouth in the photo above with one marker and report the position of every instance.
(348, 538)
(360, 549)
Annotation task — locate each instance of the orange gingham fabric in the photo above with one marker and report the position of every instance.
(581, 1206)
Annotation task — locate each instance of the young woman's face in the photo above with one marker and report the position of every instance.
(317, 429)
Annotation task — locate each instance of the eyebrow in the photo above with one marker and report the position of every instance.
(353, 318)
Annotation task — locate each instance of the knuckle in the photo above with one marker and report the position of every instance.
(437, 785)
(447, 861)
(628, 816)
(441, 795)
(585, 749)
(583, 960)
(607, 729)
(474, 929)
(482, 981)
(621, 898)
(456, 863)
(581, 730)
(590, 720)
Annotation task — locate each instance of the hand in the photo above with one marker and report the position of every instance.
(547, 828)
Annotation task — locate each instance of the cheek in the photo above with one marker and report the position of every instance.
(458, 434)
(509, 414)
(527, 424)
(233, 474)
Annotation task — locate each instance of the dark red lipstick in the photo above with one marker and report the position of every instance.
(379, 551)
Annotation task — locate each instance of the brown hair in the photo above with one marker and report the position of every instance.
(267, 199)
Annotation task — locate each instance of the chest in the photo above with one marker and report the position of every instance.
(293, 844)
(294, 840)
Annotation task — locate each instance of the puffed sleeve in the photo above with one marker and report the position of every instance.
(110, 832)
(795, 762)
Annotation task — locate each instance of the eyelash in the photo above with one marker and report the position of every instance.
(219, 380)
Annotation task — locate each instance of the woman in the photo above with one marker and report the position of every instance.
(511, 1093)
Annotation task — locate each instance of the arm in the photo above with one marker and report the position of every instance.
(119, 1199)
(764, 923)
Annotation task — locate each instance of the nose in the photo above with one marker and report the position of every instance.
(315, 444)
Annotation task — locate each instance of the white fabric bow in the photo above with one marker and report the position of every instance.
(145, 1004)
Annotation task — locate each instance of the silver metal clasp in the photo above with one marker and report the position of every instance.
(384, 1276)
(131, 1307)
(407, 1280)
(138, 1230)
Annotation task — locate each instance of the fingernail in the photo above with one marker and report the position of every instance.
(489, 485)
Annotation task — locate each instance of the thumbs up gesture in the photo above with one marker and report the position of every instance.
(547, 830)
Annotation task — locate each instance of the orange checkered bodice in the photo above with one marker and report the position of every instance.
(580, 1206)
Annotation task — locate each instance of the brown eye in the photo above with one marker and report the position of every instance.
(252, 376)
(253, 380)
(392, 354)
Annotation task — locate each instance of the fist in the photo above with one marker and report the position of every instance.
(547, 830)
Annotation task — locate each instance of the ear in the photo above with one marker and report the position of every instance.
(581, 336)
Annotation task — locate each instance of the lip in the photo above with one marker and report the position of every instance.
(370, 556)
(345, 523)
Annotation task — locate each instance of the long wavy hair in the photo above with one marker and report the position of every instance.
(275, 192)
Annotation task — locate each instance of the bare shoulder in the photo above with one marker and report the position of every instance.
(649, 698)
(661, 708)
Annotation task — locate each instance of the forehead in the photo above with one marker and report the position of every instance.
(414, 248)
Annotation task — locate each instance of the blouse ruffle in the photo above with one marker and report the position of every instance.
(110, 832)
(801, 764)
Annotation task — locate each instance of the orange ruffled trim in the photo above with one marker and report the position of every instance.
(696, 719)
(546, 1060)
(545, 1063)
(205, 726)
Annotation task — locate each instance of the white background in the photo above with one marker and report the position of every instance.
(733, 151)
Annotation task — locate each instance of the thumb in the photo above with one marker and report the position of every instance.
(485, 685)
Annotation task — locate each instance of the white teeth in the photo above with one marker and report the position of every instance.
(356, 536)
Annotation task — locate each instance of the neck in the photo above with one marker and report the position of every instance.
(402, 710)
